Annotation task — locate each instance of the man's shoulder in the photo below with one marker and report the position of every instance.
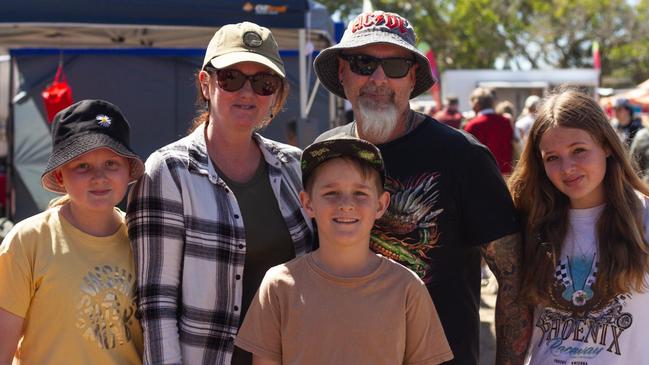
(440, 134)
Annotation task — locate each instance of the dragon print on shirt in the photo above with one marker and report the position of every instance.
(581, 324)
(409, 228)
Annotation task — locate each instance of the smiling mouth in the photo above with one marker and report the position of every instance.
(245, 107)
(345, 220)
(100, 192)
(572, 181)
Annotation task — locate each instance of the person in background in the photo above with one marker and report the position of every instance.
(586, 255)
(450, 114)
(449, 205)
(625, 122)
(524, 124)
(216, 209)
(507, 110)
(67, 276)
(491, 129)
(640, 152)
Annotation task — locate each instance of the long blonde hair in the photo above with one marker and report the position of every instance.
(623, 250)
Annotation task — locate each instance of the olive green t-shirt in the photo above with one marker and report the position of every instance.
(268, 242)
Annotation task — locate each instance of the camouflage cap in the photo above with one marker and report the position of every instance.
(341, 146)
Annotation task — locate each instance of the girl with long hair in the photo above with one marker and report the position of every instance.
(586, 257)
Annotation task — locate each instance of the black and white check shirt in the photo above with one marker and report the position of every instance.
(189, 244)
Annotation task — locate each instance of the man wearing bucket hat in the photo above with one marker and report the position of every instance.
(217, 208)
(449, 204)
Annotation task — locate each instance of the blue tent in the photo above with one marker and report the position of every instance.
(141, 55)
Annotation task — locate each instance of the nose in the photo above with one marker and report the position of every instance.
(346, 203)
(567, 165)
(247, 87)
(378, 75)
(98, 174)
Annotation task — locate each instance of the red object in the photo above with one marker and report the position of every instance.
(597, 61)
(435, 90)
(495, 132)
(57, 95)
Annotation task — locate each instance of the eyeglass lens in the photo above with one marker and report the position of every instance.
(394, 67)
(262, 83)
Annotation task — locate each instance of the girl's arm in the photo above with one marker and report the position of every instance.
(12, 328)
(256, 360)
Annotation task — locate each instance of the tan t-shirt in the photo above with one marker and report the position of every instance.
(303, 315)
(75, 292)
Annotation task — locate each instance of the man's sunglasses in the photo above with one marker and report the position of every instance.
(232, 80)
(393, 67)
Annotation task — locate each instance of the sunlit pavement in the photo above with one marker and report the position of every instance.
(487, 329)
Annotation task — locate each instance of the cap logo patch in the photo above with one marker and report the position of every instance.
(103, 120)
(366, 155)
(252, 40)
(378, 18)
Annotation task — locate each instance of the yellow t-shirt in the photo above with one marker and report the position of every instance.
(75, 291)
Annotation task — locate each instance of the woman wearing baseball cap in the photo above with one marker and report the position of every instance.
(217, 208)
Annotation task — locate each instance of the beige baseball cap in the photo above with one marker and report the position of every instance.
(241, 42)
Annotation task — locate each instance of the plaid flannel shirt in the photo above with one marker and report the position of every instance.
(189, 244)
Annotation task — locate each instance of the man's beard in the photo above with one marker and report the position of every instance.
(377, 120)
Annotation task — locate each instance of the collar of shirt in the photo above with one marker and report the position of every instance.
(486, 111)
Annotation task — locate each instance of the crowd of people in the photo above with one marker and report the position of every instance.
(365, 248)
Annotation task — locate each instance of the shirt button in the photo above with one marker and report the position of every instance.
(238, 277)
(236, 308)
(236, 216)
(241, 247)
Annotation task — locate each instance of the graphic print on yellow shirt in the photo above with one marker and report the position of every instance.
(105, 314)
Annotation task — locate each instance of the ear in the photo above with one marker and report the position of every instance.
(384, 203)
(413, 74)
(204, 79)
(305, 199)
(341, 69)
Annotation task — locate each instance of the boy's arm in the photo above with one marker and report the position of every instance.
(256, 360)
(513, 318)
(12, 326)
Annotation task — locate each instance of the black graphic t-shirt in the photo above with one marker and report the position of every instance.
(447, 198)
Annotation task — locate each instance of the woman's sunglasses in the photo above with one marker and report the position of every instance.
(232, 80)
(393, 67)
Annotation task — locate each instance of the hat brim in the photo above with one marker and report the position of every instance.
(232, 58)
(83, 144)
(326, 63)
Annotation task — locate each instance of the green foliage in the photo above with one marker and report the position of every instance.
(525, 34)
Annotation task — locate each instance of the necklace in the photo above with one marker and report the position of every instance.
(581, 268)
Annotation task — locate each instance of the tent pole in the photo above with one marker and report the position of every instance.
(9, 130)
(302, 63)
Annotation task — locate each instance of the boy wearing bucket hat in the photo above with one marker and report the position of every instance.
(67, 276)
(449, 203)
(343, 304)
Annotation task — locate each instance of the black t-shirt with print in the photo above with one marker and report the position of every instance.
(447, 198)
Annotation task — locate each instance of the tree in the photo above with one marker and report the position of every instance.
(526, 34)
